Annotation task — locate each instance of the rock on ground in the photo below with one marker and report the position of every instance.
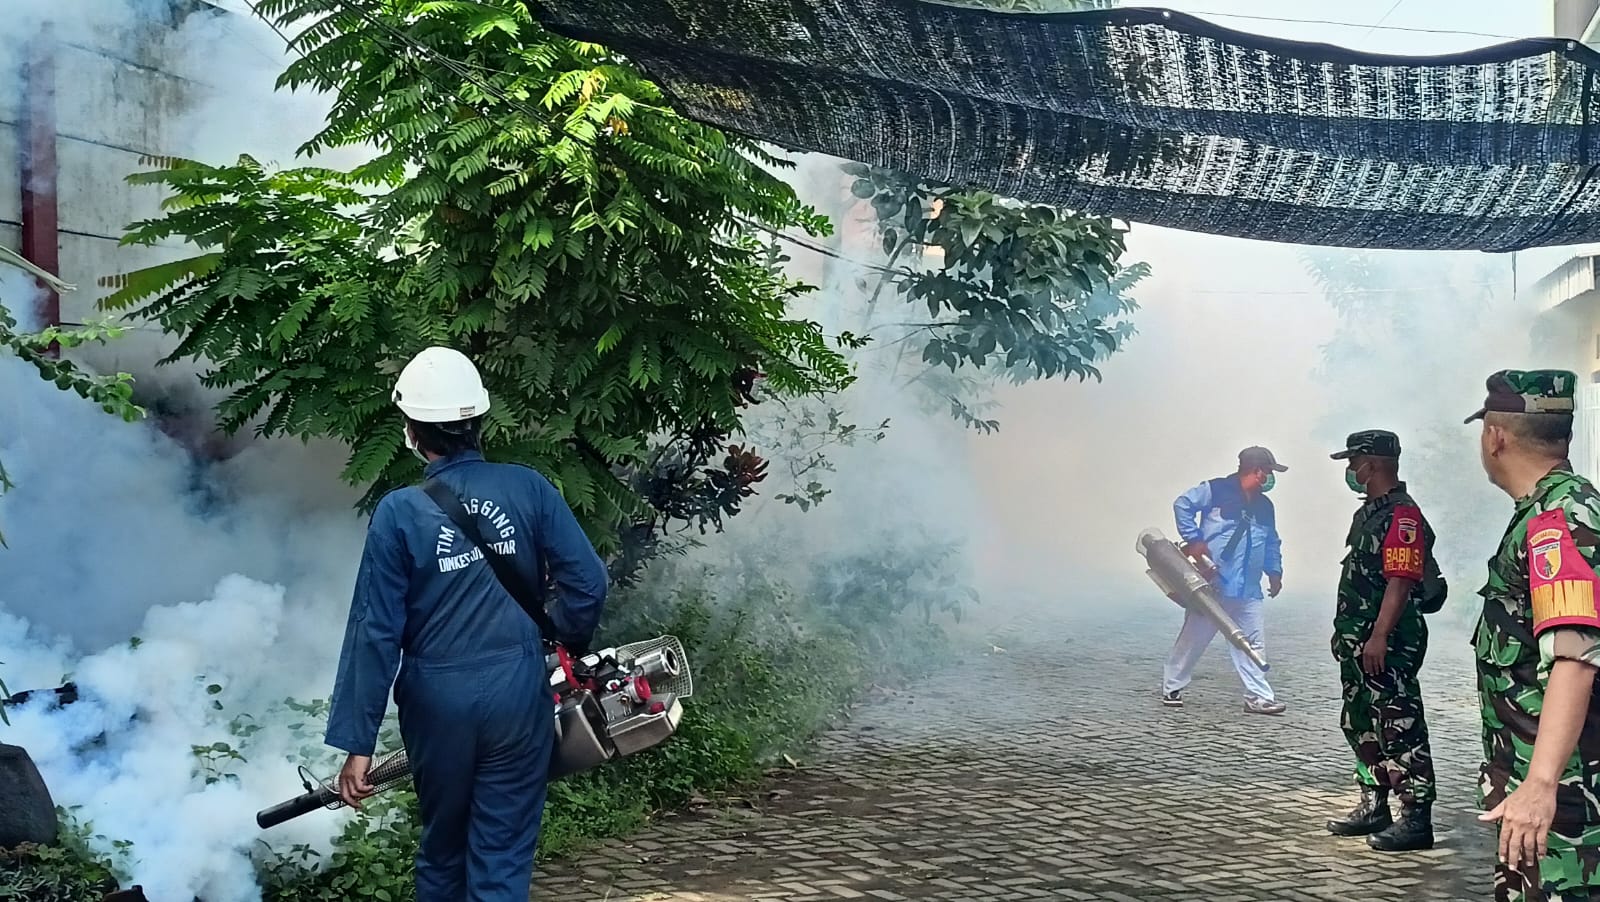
(27, 813)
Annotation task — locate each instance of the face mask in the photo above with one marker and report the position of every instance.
(1354, 483)
(412, 446)
(1272, 480)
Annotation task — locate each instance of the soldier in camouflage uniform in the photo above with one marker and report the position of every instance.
(1379, 640)
(1538, 647)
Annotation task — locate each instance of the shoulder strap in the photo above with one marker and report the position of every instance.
(1220, 485)
(523, 592)
(1379, 511)
(1243, 526)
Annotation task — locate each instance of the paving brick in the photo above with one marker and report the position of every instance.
(1052, 772)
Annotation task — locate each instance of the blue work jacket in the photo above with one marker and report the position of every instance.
(1213, 511)
(421, 591)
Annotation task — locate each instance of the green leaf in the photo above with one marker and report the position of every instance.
(888, 205)
(535, 203)
(971, 229)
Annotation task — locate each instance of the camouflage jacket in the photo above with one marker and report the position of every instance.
(1388, 537)
(1540, 590)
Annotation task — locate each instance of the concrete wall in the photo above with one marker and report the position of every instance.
(1568, 328)
(1567, 335)
(114, 102)
(1569, 17)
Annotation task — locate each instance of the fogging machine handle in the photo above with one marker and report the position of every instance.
(385, 772)
(321, 797)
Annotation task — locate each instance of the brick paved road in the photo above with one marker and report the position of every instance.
(1050, 771)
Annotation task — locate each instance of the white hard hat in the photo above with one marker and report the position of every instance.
(440, 385)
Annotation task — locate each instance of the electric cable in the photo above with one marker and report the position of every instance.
(1384, 18)
(1456, 31)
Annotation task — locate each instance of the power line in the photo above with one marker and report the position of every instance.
(288, 42)
(1376, 25)
(1332, 292)
(1476, 34)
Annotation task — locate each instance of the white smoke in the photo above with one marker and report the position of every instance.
(206, 90)
(121, 756)
(108, 520)
(1231, 351)
(1230, 354)
(907, 501)
(1237, 345)
(238, 574)
(186, 599)
(147, 579)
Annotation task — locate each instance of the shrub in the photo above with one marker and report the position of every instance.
(770, 670)
(69, 872)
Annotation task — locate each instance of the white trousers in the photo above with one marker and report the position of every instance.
(1197, 632)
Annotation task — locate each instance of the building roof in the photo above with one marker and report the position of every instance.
(1576, 281)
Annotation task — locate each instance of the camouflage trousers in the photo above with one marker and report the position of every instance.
(1568, 873)
(1384, 724)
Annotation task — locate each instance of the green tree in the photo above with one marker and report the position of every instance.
(1015, 291)
(531, 203)
(1012, 291)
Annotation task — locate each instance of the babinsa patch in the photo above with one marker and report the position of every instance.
(1545, 551)
(1408, 530)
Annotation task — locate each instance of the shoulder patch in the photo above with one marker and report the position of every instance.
(1402, 544)
(1408, 523)
(1560, 581)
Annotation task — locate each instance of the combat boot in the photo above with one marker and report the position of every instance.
(1371, 816)
(1412, 832)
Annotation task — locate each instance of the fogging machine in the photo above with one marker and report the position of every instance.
(1179, 576)
(609, 704)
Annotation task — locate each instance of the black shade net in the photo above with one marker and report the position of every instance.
(1144, 114)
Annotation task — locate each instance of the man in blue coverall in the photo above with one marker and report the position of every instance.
(476, 710)
(1230, 520)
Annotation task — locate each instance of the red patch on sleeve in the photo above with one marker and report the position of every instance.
(1560, 581)
(1403, 546)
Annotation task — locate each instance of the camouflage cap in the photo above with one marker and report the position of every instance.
(1529, 391)
(1369, 443)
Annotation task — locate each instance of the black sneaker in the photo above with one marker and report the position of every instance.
(1172, 699)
